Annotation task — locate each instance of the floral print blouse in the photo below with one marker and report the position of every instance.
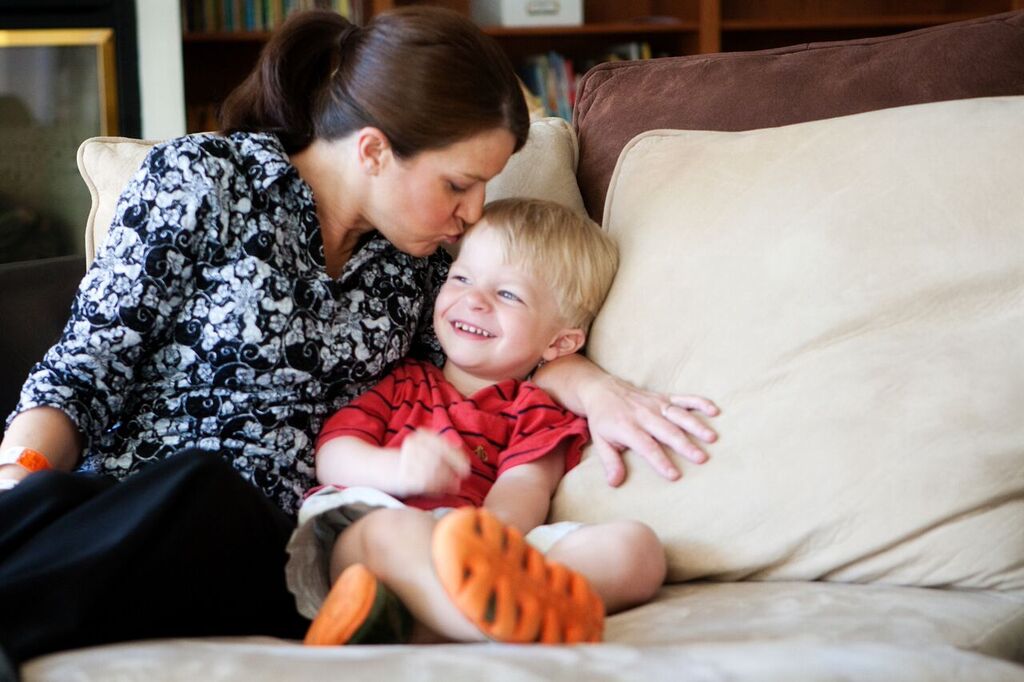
(208, 319)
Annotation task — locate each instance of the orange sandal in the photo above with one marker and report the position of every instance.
(507, 588)
(360, 610)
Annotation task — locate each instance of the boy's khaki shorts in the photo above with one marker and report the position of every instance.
(329, 511)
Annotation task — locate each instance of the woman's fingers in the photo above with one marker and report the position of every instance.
(674, 431)
(645, 445)
(647, 423)
(689, 422)
(611, 460)
(695, 402)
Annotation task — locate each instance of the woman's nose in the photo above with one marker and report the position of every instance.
(472, 205)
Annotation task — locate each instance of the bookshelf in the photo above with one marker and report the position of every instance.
(217, 60)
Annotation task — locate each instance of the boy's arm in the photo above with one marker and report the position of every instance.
(521, 496)
(425, 464)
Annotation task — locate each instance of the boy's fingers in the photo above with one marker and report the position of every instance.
(452, 456)
(456, 459)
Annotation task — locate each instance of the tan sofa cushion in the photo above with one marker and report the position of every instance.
(781, 632)
(545, 168)
(851, 291)
(106, 165)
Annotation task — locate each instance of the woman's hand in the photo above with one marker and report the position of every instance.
(622, 416)
(430, 465)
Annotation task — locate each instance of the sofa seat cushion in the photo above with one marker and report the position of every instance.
(748, 90)
(851, 292)
(708, 632)
(990, 623)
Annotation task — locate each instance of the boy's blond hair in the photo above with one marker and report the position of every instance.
(568, 251)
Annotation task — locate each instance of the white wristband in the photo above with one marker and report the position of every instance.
(8, 483)
(10, 455)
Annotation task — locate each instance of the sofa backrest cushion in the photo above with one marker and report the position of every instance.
(545, 168)
(749, 90)
(106, 165)
(851, 292)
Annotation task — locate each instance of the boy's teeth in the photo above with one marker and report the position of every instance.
(471, 329)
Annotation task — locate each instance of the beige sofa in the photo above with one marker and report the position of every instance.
(851, 291)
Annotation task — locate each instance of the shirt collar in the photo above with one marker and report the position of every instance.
(265, 158)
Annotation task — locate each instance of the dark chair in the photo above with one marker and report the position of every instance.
(35, 301)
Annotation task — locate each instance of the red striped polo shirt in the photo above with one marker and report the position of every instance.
(501, 426)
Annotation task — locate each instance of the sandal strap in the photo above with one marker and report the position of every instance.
(506, 588)
(360, 609)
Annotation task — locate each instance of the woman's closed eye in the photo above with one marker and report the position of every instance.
(458, 189)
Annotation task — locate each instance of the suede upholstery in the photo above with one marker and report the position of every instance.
(749, 90)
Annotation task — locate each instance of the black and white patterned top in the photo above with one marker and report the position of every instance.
(208, 319)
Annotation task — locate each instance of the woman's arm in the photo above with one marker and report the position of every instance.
(127, 303)
(521, 497)
(622, 416)
(49, 432)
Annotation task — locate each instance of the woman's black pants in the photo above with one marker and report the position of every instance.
(186, 547)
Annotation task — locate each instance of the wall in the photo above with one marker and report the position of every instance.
(161, 83)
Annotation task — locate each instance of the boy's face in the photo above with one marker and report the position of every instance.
(496, 320)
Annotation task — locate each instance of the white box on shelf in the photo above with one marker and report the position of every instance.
(528, 12)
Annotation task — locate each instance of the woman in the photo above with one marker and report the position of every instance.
(251, 284)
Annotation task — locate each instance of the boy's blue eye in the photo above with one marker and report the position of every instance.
(508, 295)
(458, 278)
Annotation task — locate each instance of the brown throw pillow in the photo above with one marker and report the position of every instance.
(749, 90)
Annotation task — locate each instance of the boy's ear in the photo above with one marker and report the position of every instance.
(373, 147)
(567, 341)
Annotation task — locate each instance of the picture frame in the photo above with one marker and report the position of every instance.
(58, 87)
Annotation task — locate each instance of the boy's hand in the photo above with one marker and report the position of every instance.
(430, 465)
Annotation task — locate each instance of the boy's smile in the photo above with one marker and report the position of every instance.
(461, 326)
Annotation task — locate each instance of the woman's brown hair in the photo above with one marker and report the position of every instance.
(425, 76)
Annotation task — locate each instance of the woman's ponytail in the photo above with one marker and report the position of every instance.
(425, 76)
(280, 96)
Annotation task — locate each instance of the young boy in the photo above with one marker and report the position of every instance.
(478, 437)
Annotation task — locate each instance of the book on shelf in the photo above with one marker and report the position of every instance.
(240, 16)
(552, 77)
